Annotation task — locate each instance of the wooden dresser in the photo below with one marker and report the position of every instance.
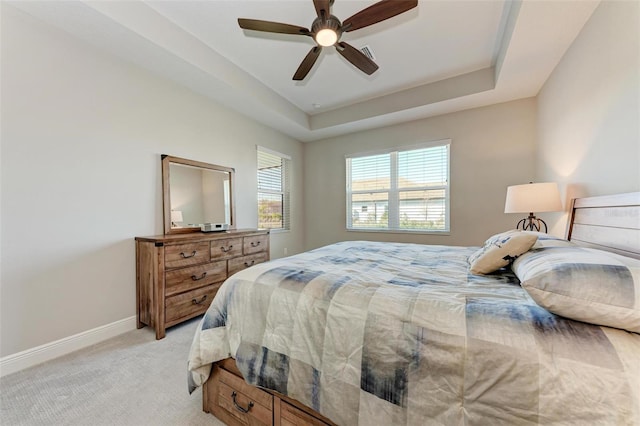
(178, 275)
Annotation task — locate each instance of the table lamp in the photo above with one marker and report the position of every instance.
(176, 218)
(533, 197)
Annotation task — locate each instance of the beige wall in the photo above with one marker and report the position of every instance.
(82, 134)
(588, 110)
(491, 147)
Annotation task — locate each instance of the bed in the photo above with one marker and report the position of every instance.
(386, 333)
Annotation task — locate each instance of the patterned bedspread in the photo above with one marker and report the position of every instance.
(372, 333)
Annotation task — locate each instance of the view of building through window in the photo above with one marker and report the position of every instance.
(399, 190)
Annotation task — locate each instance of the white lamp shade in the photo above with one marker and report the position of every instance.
(533, 197)
(176, 216)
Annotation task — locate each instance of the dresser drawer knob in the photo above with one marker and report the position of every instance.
(186, 256)
(226, 249)
(247, 264)
(255, 243)
(193, 277)
(199, 302)
(238, 407)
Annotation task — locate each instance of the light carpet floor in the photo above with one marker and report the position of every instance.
(131, 379)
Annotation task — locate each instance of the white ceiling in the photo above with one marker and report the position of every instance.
(440, 57)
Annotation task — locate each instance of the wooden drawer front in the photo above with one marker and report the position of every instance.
(179, 255)
(255, 244)
(190, 304)
(248, 404)
(240, 263)
(291, 416)
(223, 249)
(185, 279)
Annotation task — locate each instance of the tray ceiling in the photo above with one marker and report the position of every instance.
(440, 57)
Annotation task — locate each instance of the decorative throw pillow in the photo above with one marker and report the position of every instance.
(500, 250)
(583, 284)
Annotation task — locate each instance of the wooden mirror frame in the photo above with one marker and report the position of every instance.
(167, 160)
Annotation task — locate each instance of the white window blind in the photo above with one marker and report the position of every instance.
(399, 190)
(273, 189)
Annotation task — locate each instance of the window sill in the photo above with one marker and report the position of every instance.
(400, 231)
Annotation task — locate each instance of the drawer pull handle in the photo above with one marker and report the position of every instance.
(199, 302)
(193, 277)
(186, 256)
(238, 407)
(247, 264)
(255, 243)
(226, 249)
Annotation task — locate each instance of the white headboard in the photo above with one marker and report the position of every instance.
(610, 222)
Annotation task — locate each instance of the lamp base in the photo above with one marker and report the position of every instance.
(532, 223)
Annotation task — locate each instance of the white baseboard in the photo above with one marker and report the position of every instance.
(25, 359)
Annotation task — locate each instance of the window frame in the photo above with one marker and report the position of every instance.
(285, 191)
(393, 201)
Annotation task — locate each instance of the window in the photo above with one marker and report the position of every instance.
(273, 189)
(400, 190)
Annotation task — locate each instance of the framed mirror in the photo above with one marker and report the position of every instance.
(196, 193)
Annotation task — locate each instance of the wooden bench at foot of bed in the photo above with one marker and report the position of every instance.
(228, 397)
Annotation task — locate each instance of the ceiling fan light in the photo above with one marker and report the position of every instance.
(326, 37)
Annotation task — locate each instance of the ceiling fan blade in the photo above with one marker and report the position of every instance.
(271, 27)
(322, 5)
(356, 57)
(380, 11)
(307, 63)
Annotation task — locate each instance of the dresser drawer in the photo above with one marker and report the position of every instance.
(255, 244)
(292, 416)
(240, 263)
(248, 404)
(185, 279)
(179, 255)
(222, 249)
(188, 305)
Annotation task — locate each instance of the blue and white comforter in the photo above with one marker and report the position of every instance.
(372, 333)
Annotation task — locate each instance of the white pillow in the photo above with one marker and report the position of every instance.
(500, 250)
(583, 284)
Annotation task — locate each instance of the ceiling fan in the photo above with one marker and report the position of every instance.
(326, 30)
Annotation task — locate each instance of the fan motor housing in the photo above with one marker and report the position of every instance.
(331, 23)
